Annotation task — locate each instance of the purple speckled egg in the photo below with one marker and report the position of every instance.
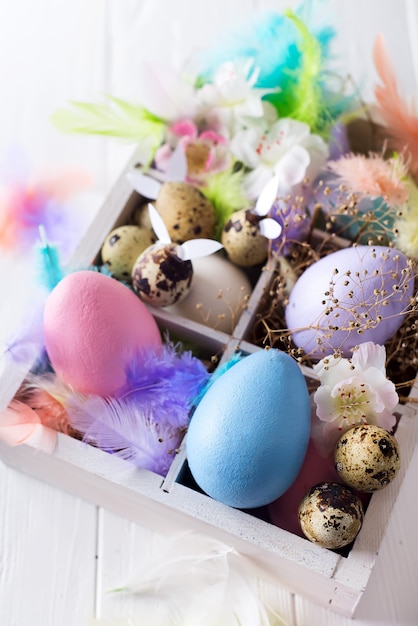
(354, 295)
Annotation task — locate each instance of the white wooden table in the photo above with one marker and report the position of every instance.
(60, 556)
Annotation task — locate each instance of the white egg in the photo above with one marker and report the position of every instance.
(219, 294)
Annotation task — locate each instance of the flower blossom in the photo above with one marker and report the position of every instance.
(206, 153)
(262, 151)
(230, 101)
(355, 391)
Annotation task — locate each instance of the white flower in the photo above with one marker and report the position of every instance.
(231, 101)
(262, 150)
(356, 391)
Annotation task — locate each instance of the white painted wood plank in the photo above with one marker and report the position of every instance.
(51, 52)
(47, 554)
(127, 551)
(390, 598)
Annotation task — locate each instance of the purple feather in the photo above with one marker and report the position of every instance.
(127, 430)
(147, 420)
(166, 381)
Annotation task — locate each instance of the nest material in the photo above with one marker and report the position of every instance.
(269, 328)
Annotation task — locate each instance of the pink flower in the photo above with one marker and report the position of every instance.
(206, 153)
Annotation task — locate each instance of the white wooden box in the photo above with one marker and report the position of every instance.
(166, 505)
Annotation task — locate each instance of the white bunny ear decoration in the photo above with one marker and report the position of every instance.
(268, 227)
(192, 249)
(291, 169)
(196, 248)
(267, 197)
(158, 226)
(177, 165)
(148, 186)
(145, 185)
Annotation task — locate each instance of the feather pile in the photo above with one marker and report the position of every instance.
(144, 423)
(291, 59)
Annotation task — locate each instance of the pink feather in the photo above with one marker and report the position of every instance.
(402, 123)
(21, 424)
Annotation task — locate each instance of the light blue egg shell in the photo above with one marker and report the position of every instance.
(249, 434)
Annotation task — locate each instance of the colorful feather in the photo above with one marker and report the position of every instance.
(147, 420)
(190, 579)
(224, 191)
(221, 369)
(21, 424)
(401, 121)
(129, 430)
(50, 272)
(273, 47)
(176, 373)
(114, 118)
(26, 205)
(43, 395)
(308, 104)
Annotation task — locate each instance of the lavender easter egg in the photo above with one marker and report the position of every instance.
(248, 436)
(93, 325)
(354, 295)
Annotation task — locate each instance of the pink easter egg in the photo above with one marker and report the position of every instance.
(93, 325)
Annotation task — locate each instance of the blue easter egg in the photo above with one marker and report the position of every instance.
(249, 434)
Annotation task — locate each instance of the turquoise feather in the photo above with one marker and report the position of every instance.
(273, 42)
(50, 272)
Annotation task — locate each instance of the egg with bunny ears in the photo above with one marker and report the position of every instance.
(162, 274)
(186, 212)
(246, 234)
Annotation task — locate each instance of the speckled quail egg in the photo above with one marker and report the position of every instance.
(140, 216)
(122, 247)
(367, 457)
(330, 515)
(242, 239)
(160, 277)
(186, 212)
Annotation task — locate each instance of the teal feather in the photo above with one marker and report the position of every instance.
(221, 369)
(50, 272)
(271, 41)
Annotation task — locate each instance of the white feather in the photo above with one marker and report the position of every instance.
(194, 580)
